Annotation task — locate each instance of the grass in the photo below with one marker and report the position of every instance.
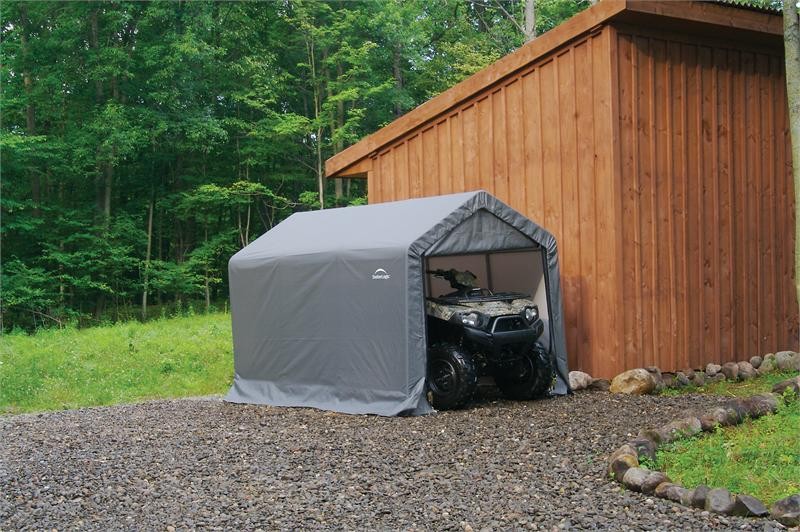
(760, 384)
(121, 363)
(760, 457)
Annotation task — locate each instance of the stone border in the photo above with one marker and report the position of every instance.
(651, 379)
(624, 466)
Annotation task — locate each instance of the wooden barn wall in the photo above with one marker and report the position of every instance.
(541, 141)
(706, 201)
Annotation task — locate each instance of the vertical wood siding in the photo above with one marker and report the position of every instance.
(542, 141)
(660, 164)
(706, 201)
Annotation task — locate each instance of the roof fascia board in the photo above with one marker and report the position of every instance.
(715, 14)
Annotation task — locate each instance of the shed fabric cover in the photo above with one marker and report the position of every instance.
(328, 306)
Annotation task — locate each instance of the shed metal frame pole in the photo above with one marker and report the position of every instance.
(489, 278)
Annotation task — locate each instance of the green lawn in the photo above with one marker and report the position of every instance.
(760, 384)
(759, 457)
(126, 362)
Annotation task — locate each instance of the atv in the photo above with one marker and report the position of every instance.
(475, 332)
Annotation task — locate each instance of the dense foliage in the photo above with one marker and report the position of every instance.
(144, 143)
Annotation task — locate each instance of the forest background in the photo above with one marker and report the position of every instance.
(143, 143)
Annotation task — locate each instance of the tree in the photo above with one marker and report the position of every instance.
(144, 142)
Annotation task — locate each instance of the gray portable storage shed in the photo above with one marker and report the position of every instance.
(328, 306)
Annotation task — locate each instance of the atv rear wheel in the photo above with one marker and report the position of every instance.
(529, 378)
(452, 377)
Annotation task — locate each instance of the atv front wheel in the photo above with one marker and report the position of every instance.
(452, 377)
(530, 377)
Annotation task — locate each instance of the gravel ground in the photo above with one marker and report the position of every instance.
(202, 463)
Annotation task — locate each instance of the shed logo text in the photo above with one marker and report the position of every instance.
(381, 274)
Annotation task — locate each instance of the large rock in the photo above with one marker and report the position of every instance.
(746, 371)
(645, 448)
(711, 419)
(681, 428)
(689, 372)
(756, 361)
(676, 493)
(634, 477)
(662, 489)
(653, 480)
(578, 380)
(730, 370)
(681, 379)
(788, 384)
(621, 460)
(668, 379)
(633, 382)
(719, 500)
(737, 410)
(656, 373)
(699, 496)
(668, 490)
(651, 434)
(749, 506)
(760, 404)
(768, 365)
(785, 360)
(599, 385)
(719, 377)
(719, 416)
(712, 369)
(787, 511)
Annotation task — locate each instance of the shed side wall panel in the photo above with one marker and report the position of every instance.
(540, 140)
(706, 201)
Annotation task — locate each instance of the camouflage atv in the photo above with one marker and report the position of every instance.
(474, 332)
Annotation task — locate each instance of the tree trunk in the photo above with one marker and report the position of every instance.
(530, 20)
(207, 286)
(30, 115)
(100, 305)
(107, 186)
(105, 172)
(239, 226)
(247, 226)
(319, 169)
(791, 40)
(208, 292)
(480, 11)
(336, 123)
(147, 255)
(115, 89)
(95, 44)
(397, 72)
(337, 145)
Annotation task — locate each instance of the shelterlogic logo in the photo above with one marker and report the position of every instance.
(380, 274)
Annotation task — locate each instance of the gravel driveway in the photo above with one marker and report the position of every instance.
(207, 464)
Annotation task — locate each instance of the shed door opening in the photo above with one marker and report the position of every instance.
(504, 271)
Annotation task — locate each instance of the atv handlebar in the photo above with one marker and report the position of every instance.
(459, 280)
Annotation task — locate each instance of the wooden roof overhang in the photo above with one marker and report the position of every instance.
(717, 19)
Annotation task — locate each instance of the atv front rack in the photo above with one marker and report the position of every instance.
(477, 297)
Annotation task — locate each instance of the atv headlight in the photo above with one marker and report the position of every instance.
(473, 319)
(531, 314)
